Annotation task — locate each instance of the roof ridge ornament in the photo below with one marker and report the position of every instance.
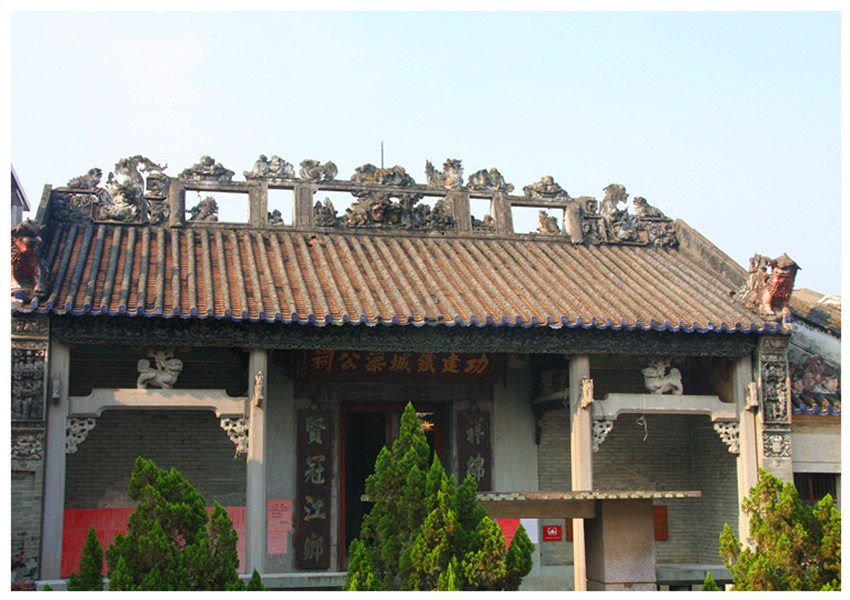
(769, 286)
(207, 169)
(451, 176)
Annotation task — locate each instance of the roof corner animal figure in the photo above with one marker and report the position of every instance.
(29, 271)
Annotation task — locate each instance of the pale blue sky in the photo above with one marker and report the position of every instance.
(729, 121)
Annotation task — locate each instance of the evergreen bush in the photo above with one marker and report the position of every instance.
(90, 578)
(171, 542)
(423, 533)
(791, 546)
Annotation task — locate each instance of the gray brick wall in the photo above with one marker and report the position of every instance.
(716, 476)
(679, 453)
(190, 441)
(25, 527)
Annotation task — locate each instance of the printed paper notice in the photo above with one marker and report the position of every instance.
(531, 528)
(279, 526)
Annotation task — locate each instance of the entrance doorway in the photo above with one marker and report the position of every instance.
(366, 428)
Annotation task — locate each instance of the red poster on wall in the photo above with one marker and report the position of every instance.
(552, 533)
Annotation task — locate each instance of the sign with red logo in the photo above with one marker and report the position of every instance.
(552, 533)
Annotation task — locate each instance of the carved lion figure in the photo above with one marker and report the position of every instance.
(658, 381)
(29, 271)
(769, 292)
(163, 376)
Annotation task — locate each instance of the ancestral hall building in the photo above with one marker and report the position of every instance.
(610, 372)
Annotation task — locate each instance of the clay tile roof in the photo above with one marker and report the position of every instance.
(377, 278)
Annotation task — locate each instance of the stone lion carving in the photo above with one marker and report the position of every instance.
(770, 285)
(206, 211)
(658, 381)
(29, 271)
(313, 170)
(644, 210)
(450, 178)
(164, 375)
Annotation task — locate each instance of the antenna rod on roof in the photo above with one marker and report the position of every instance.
(382, 154)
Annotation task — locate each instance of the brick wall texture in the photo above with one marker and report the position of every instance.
(25, 499)
(190, 441)
(679, 453)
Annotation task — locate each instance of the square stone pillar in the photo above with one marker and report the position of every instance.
(581, 456)
(621, 546)
(746, 399)
(54, 461)
(255, 498)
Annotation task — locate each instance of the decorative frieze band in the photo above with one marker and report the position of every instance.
(237, 431)
(76, 432)
(729, 434)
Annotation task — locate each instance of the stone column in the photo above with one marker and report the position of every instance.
(581, 456)
(775, 413)
(255, 500)
(27, 412)
(745, 392)
(621, 545)
(54, 467)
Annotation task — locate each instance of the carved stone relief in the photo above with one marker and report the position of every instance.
(545, 189)
(27, 446)
(28, 372)
(275, 169)
(490, 181)
(658, 380)
(370, 174)
(313, 170)
(163, 374)
(547, 224)
(206, 211)
(207, 170)
(450, 178)
(729, 434)
(777, 444)
(237, 430)
(619, 223)
(76, 432)
(601, 429)
(259, 388)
